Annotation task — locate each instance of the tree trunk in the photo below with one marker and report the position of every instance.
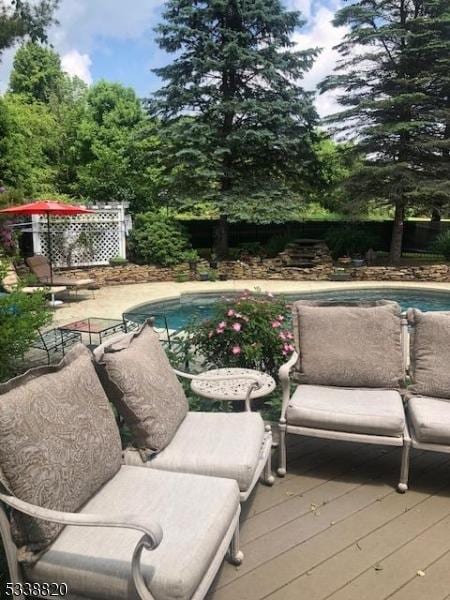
(435, 215)
(221, 237)
(395, 253)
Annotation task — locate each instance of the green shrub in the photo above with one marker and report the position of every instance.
(441, 245)
(277, 244)
(350, 241)
(157, 239)
(248, 332)
(21, 315)
(117, 261)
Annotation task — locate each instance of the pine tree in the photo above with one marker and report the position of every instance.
(394, 78)
(240, 125)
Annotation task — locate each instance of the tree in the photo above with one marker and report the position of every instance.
(19, 19)
(36, 73)
(240, 124)
(394, 79)
(115, 146)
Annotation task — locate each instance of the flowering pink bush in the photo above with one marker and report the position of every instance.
(250, 331)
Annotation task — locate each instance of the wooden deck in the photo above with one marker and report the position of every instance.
(335, 528)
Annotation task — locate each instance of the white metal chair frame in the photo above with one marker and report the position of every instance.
(381, 440)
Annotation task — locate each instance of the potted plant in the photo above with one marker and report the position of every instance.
(213, 275)
(203, 276)
(191, 257)
(358, 261)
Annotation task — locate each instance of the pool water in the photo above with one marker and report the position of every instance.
(200, 306)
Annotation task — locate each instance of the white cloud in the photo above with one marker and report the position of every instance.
(322, 34)
(75, 63)
(6, 64)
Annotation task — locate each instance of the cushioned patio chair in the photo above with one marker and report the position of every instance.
(141, 383)
(10, 283)
(71, 513)
(349, 367)
(40, 266)
(428, 398)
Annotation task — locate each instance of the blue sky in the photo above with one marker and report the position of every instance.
(114, 40)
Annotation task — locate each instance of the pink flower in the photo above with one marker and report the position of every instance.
(276, 324)
(219, 330)
(230, 312)
(288, 347)
(238, 316)
(236, 350)
(289, 335)
(210, 334)
(282, 335)
(284, 353)
(236, 326)
(280, 318)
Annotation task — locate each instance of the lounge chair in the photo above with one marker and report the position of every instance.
(141, 383)
(95, 527)
(349, 367)
(10, 283)
(428, 397)
(40, 266)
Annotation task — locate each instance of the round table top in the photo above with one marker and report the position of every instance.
(232, 389)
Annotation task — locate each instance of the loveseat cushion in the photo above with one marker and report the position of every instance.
(59, 442)
(430, 419)
(353, 410)
(140, 381)
(353, 344)
(430, 353)
(194, 512)
(223, 445)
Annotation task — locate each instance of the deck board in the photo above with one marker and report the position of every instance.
(336, 529)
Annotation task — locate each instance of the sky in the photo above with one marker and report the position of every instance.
(114, 40)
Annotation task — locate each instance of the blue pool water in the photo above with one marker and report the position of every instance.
(179, 313)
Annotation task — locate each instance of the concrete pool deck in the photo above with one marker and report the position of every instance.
(112, 301)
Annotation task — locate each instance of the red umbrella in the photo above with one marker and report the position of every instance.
(47, 207)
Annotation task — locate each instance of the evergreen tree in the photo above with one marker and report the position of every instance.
(239, 123)
(36, 73)
(394, 79)
(19, 19)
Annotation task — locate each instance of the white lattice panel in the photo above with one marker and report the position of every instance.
(83, 240)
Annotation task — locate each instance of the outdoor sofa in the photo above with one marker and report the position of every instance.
(72, 513)
(138, 378)
(349, 371)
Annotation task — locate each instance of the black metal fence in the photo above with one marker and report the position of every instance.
(418, 235)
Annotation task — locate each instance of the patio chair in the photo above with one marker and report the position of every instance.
(10, 283)
(40, 266)
(55, 340)
(141, 383)
(428, 397)
(350, 368)
(71, 513)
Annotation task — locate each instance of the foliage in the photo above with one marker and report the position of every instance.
(246, 144)
(21, 315)
(442, 244)
(114, 148)
(248, 332)
(158, 239)
(350, 241)
(394, 86)
(36, 73)
(20, 19)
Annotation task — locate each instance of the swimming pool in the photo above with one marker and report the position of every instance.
(179, 312)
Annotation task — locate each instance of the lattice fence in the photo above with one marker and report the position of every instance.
(83, 240)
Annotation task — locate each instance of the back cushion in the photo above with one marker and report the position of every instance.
(59, 441)
(350, 345)
(430, 353)
(139, 379)
(40, 267)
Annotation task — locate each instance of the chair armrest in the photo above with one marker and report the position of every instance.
(284, 374)
(150, 540)
(251, 378)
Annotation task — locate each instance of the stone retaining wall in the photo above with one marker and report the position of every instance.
(259, 269)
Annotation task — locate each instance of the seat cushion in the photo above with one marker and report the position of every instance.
(430, 353)
(219, 444)
(353, 344)
(59, 441)
(430, 419)
(194, 512)
(353, 410)
(139, 379)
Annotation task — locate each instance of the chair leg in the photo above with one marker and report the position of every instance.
(281, 471)
(235, 555)
(404, 471)
(268, 477)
